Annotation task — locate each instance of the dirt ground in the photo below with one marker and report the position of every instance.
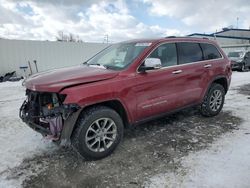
(147, 149)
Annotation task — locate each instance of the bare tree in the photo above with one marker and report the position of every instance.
(67, 37)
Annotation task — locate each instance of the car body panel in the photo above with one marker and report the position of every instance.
(238, 62)
(57, 79)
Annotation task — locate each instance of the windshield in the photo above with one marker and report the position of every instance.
(235, 54)
(118, 56)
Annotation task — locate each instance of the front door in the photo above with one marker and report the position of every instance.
(156, 90)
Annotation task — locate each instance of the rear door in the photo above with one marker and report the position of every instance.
(193, 72)
(214, 64)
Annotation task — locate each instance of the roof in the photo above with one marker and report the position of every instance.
(222, 36)
(227, 29)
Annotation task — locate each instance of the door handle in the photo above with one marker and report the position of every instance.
(177, 72)
(207, 65)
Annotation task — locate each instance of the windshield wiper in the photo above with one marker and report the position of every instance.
(97, 64)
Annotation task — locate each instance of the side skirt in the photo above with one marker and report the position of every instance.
(162, 114)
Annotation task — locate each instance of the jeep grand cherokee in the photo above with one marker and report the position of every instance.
(125, 84)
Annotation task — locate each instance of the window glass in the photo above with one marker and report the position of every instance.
(210, 51)
(234, 54)
(166, 53)
(118, 56)
(189, 52)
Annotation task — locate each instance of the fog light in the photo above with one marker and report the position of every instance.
(49, 106)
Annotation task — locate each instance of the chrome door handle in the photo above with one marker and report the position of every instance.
(177, 72)
(207, 65)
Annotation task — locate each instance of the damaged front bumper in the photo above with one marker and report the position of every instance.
(53, 120)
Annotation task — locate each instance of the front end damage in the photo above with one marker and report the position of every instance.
(45, 113)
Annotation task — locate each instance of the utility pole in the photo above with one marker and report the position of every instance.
(106, 38)
(237, 23)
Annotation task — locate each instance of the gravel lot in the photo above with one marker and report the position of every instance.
(147, 149)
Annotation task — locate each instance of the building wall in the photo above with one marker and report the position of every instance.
(225, 41)
(49, 55)
(235, 33)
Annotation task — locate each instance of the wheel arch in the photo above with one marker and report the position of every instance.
(222, 80)
(113, 104)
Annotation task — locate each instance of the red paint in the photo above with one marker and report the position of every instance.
(142, 94)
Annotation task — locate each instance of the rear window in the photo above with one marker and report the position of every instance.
(189, 52)
(210, 51)
(235, 54)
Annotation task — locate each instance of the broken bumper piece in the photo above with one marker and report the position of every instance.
(50, 122)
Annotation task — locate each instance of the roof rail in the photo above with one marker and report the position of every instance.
(171, 37)
(187, 37)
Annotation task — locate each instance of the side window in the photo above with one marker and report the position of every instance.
(189, 52)
(210, 51)
(166, 53)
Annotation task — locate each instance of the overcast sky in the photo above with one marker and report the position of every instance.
(120, 20)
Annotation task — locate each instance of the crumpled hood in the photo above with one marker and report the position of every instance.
(57, 79)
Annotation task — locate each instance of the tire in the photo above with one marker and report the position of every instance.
(101, 125)
(207, 108)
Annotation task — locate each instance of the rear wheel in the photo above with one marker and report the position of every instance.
(213, 101)
(99, 131)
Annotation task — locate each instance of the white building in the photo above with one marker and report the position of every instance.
(49, 55)
(229, 39)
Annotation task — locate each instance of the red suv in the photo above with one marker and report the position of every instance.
(125, 84)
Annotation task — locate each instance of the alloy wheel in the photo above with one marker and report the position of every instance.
(215, 100)
(101, 134)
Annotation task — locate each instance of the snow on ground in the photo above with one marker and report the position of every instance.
(17, 141)
(227, 162)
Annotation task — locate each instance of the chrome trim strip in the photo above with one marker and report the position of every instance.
(154, 104)
(177, 72)
(208, 65)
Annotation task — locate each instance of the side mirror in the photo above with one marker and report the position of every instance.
(150, 64)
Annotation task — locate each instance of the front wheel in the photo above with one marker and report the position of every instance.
(213, 101)
(99, 131)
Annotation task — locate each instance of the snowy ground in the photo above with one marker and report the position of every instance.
(183, 150)
(17, 142)
(227, 162)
